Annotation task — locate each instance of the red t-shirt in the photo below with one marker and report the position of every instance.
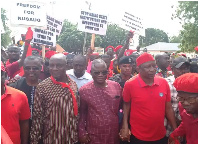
(14, 107)
(147, 107)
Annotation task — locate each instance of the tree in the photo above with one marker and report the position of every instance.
(72, 40)
(175, 39)
(153, 36)
(187, 12)
(5, 37)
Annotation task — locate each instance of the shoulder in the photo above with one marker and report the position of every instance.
(161, 80)
(71, 71)
(113, 83)
(88, 75)
(86, 86)
(44, 83)
(15, 92)
(132, 80)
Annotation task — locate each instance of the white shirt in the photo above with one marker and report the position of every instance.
(79, 81)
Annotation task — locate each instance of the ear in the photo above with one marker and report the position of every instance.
(137, 69)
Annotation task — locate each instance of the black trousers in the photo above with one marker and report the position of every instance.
(134, 140)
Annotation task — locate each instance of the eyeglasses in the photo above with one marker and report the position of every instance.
(103, 73)
(190, 100)
(33, 68)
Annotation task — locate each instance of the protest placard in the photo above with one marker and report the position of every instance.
(28, 13)
(132, 22)
(92, 22)
(48, 36)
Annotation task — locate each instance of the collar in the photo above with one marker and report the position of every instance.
(8, 92)
(71, 72)
(75, 105)
(143, 84)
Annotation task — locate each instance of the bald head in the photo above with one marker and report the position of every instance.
(60, 56)
(162, 60)
(98, 63)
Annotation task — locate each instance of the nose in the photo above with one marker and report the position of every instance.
(152, 68)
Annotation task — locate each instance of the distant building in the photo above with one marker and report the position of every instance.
(162, 47)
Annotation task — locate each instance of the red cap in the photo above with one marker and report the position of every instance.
(110, 47)
(187, 83)
(143, 58)
(2, 67)
(118, 47)
(129, 52)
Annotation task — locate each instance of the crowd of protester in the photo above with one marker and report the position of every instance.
(120, 97)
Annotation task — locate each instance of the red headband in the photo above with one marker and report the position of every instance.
(143, 58)
(110, 47)
(118, 47)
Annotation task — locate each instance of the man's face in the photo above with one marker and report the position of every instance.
(79, 66)
(164, 61)
(185, 68)
(107, 61)
(99, 73)
(189, 101)
(126, 69)
(14, 54)
(110, 52)
(32, 69)
(148, 69)
(69, 64)
(57, 68)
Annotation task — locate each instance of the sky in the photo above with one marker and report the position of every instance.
(155, 13)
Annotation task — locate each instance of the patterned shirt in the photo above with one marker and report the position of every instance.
(99, 112)
(54, 118)
(174, 102)
(163, 74)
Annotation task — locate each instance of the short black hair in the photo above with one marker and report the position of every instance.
(34, 58)
(70, 56)
(105, 56)
(80, 56)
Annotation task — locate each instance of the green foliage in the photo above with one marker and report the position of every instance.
(5, 37)
(72, 40)
(175, 39)
(187, 12)
(153, 36)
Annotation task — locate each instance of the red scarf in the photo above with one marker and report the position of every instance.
(71, 91)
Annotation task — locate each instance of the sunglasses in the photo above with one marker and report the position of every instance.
(103, 73)
(33, 68)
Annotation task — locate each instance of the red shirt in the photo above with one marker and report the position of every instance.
(147, 107)
(14, 107)
(188, 127)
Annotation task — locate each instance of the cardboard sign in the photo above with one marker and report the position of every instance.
(48, 36)
(132, 22)
(28, 13)
(94, 23)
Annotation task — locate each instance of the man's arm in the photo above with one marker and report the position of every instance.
(24, 131)
(37, 121)
(21, 61)
(169, 112)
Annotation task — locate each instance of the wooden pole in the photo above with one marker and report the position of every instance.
(92, 41)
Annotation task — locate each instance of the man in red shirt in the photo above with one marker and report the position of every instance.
(187, 88)
(148, 98)
(15, 112)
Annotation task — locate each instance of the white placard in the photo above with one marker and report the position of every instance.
(54, 25)
(28, 13)
(48, 36)
(44, 37)
(92, 22)
(132, 22)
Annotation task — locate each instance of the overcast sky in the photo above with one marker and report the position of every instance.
(155, 13)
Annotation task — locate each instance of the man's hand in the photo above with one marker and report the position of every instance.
(85, 139)
(89, 51)
(125, 134)
(130, 35)
(173, 140)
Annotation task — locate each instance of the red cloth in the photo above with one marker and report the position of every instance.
(72, 93)
(110, 73)
(188, 127)
(111, 64)
(13, 68)
(95, 53)
(99, 112)
(49, 54)
(5, 139)
(187, 82)
(129, 52)
(110, 47)
(14, 107)
(118, 47)
(143, 58)
(2, 67)
(196, 48)
(169, 68)
(147, 107)
(65, 53)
